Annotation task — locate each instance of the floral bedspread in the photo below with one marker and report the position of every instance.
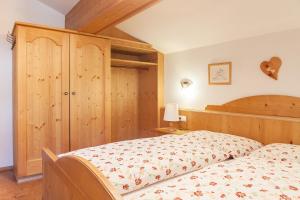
(131, 165)
(260, 176)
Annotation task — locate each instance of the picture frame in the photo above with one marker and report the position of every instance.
(220, 73)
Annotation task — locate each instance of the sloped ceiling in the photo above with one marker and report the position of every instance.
(62, 6)
(177, 25)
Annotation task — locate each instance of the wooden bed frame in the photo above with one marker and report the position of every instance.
(74, 178)
(268, 119)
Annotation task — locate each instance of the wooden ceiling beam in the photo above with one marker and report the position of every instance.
(117, 33)
(93, 16)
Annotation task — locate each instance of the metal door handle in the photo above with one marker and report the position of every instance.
(66, 93)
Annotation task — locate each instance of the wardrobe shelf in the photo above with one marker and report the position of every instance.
(133, 49)
(131, 63)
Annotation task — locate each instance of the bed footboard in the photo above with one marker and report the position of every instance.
(73, 178)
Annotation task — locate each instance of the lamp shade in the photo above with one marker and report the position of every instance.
(171, 112)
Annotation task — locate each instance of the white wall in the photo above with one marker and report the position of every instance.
(246, 56)
(11, 11)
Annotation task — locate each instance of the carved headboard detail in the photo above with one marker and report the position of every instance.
(271, 105)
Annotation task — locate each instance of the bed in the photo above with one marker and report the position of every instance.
(76, 177)
(273, 172)
(131, 165)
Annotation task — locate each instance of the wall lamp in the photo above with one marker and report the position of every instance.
(185, 83)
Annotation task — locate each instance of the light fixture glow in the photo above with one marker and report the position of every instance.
(185, 83)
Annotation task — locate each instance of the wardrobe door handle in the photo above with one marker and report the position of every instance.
(66, 93)
(73, 93)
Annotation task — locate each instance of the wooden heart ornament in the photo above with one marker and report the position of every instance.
(271, 68)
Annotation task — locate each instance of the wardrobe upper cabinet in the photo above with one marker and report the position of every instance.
(89, 83)
(41, 110)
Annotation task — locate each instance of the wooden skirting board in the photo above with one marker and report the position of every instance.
(4, 169)
(21, 180)
(29, 178)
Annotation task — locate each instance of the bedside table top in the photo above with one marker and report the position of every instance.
(170, 130)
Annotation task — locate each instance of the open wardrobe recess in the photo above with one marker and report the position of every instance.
(74, 90)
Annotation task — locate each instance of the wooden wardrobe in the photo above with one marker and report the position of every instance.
(74, 90)
(61, 94)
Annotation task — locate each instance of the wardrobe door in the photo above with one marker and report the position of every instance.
(41, 76)
(90, 91)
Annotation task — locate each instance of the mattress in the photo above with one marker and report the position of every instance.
(273, 172)
(132, 165)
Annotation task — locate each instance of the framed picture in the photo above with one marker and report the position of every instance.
(219, 73)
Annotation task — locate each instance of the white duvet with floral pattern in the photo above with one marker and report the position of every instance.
(260, 176)
(131, 165)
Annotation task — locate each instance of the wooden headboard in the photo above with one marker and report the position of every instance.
(271, 105)
(267, 118)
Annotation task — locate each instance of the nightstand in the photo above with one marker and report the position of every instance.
(170, 130)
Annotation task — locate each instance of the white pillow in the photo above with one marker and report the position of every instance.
(279, 152)
(232, 145)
